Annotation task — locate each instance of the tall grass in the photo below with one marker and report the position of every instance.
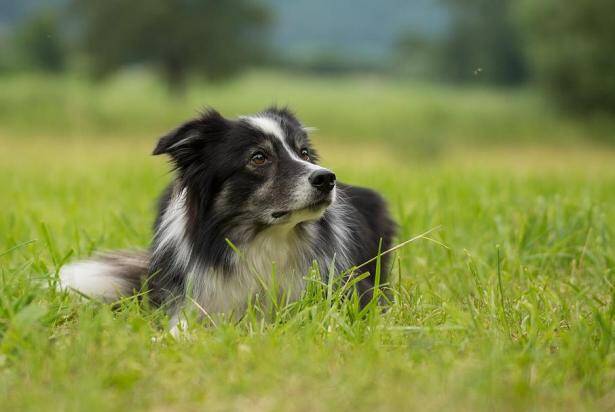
(516, 312)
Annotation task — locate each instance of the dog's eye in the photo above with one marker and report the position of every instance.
(305, 154)
(258, 158)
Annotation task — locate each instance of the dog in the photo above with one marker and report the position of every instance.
(248, 199)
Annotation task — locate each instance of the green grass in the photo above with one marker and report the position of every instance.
(517, 313)
(349, 108)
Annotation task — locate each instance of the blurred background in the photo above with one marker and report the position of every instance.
(434, 74)
(490, 120)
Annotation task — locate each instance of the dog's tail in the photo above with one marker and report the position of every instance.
(107, 276)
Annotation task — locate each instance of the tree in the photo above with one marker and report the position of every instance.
(572, 51)
(212, 37)
(39, 42)
(483, 41)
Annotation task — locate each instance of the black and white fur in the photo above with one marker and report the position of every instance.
(253, 183)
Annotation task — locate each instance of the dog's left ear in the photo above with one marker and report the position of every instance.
(192, 135)
(175, 139)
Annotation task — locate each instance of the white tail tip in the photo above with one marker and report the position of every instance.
(95, 279)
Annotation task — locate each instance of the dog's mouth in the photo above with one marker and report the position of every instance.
(282, 213)
(313, 207)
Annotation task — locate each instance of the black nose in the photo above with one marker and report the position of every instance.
(323, 180)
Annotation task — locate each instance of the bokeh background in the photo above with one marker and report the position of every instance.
(422, 75)
(490, 121)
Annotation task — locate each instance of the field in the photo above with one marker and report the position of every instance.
(512, 308)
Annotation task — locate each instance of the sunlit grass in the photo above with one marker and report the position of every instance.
(517, 313)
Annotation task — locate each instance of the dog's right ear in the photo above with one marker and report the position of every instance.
(192, 135)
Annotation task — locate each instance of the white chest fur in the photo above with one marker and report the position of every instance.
(271, 266)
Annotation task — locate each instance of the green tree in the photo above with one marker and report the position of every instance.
(212, 37)
(482, 43)
(40, 43)
(572, 50)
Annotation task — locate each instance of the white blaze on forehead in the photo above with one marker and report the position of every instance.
(267, 125)
(271, 126)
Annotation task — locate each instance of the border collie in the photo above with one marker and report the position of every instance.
(248, 199)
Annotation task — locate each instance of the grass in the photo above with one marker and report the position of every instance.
(366, 109)
(517, 313)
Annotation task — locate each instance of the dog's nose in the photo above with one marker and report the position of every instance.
(323, 180)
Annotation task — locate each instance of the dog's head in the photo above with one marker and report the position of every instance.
(260, 170)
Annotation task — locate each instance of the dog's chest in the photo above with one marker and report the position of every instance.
(271, 266)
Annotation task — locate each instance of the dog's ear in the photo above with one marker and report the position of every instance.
(192, 135)
(181, 136)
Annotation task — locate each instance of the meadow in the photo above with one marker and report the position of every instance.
(509, 305)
